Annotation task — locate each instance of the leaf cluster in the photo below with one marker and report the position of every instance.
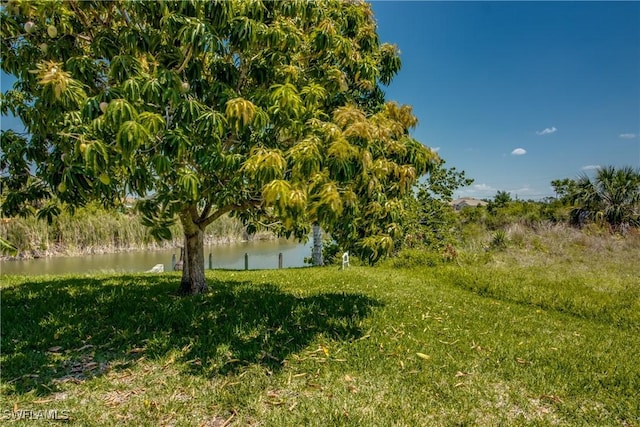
(269, 110)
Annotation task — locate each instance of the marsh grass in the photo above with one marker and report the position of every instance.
(93, 229)
(502, 341)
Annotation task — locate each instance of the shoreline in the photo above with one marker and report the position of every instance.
(61, 251)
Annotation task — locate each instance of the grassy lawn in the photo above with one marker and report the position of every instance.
(507, 340)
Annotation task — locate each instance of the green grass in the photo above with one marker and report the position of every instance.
(506, 341)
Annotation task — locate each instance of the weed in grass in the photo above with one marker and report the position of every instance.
(499, 240)
(516, 234)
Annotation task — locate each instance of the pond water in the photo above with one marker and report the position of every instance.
(262, 255)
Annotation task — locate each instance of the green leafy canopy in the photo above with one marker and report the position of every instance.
(270, 110)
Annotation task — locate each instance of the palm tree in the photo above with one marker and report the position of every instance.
(612, 196)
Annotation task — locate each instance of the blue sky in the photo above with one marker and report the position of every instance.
(517, 94)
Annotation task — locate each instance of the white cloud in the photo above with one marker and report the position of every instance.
(519, 152)
(525, 191)
(485, 191)
(436, 149)
(482, 187)
(628, 135)
(547, 131)
(590, 167)
(477, 190)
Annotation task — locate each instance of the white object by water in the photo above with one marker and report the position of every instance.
(158, 268)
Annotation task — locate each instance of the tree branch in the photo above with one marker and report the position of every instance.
(205, 212)
(217, 214)
(229, 142)
(234, 207)
(83, 18)
(186, 60)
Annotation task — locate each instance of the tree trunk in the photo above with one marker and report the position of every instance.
(194, 224)
(316, 252)
(193, 280)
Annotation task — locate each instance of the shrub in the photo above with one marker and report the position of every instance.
(409, 258)
(499, 240)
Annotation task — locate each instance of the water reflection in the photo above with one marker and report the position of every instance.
(262, 255)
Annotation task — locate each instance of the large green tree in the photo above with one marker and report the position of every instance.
(268, 110)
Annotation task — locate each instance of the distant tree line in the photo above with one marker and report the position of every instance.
(610, 201)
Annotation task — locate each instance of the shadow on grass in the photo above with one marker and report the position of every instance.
(73, 328)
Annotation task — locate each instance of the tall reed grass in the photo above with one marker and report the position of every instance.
(93, 229)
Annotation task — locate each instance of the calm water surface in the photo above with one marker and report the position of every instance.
(262, 255)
